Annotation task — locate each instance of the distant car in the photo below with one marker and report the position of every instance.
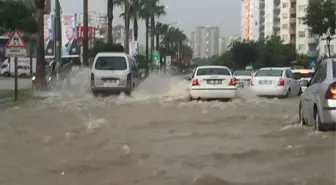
(243, 77)
(303, 74)
(212, 82)
(317, 106)
(275, 82)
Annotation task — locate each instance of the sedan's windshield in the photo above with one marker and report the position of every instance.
(213, 71)
(111, 63)
(270, 72)
(242, 73)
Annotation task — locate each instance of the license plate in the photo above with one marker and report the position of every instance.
(265, 82)
(214, 82)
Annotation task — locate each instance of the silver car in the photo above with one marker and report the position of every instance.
(318, 103)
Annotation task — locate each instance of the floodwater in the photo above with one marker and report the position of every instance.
(157, 137)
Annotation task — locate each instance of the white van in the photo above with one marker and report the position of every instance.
(114, 72)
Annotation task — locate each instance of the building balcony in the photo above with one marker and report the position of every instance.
(312, 40)
(292, 10)
(313, 53)
(292, 20)
(292, 31)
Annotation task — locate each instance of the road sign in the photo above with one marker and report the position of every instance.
(15, 46)
(312, 63)
(156, 58)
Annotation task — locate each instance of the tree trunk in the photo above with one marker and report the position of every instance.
(31, 52)
(110, 19)
(135, 27)
(40, 61)
(152, 34)
(157, 35)
(147, 38)
(127, 25)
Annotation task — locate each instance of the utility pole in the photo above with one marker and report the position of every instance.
(58, 38)
(85, 33)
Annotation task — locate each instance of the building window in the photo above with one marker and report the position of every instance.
(285, 26)
(284, 37)
(285, 15)
(301, 47)
(302, 8)
(326, 49)
(284, 5)
(302, 34)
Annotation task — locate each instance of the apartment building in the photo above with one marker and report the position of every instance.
(288, 21)
(254, 26)
(272, 18)
(206, 41)
(222, 45)
(118, 34)
(306, 43)
(245, 19)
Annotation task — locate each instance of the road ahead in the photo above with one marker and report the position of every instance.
(155, 139)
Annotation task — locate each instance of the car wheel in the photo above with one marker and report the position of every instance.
(288, 93)
(95, 93)
(300, 92)
(317, 122)
(302, 120)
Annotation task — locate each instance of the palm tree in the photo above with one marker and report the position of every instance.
(160, 30)
(110, 4)
(157, 11)
(40, 62)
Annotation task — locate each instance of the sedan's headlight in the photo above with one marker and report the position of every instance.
(33, 78)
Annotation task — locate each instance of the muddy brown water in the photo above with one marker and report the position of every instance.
(74, 138)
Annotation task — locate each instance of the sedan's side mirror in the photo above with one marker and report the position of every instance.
(304, 83)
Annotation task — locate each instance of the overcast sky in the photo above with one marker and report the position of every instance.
(186, 14)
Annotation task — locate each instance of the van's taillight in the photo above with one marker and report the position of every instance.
(281, 82)
(195, 82)
(129, 76)
(233, 81)
(331, 91)
(251, 81)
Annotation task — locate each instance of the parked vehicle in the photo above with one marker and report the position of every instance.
(275, 81)
(212, 82)
(7, 68)
(317, 106)
(114, 72)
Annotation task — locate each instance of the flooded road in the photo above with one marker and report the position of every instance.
(158, 138)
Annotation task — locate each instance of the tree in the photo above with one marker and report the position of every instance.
(17, 15)
(110, 6)
(271, 52)
(40, 61)
(321, 18)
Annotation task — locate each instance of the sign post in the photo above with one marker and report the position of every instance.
(156, 58)
(15, 47)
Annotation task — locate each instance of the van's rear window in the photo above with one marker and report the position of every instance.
(111, 63)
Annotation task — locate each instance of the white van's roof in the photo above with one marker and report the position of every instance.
(116, 54)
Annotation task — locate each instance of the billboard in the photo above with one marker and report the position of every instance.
(48, 36)
(70, 43)
(80, 32)
(134, 48)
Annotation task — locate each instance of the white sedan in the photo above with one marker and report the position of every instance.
(275, 81)
(212, 82)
